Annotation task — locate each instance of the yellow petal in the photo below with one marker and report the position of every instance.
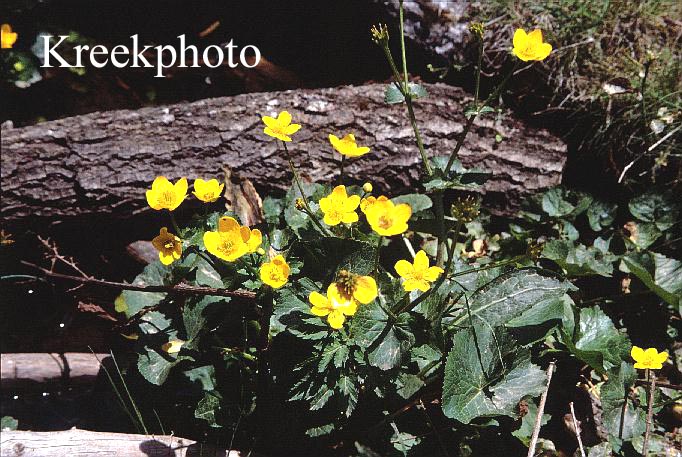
(365, 289)
(421, 261)
(275, 134)
(637, 353)
(166, 259)
(520, 38)
(351, 203)
(404, 268)
(228, 224)
(350, 308)
(662, 357)
(319, 301)
(325, 204)
(339, 193)
(284, 118)
(651, 354)
(412, 284)
(270, 122)
(291, 129)
(180, 189)
(349, 218)
(333, 218)
(319, 311)
(543, 51)
(403, 212)
(255, 240)
(433, 273)
(336, 319)
(535, 37)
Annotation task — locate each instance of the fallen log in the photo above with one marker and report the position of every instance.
(98, 165)
(36, 371)
(83, 442)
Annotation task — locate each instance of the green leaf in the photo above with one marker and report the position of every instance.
(194, 315)
(296, 219)
(528, 423)
(204, 376)
(408, 384)
(660, 208)
(323, 258)
(578, 259)
(554, 204)
(601, 214)
(272, 209)
(598, 342)
(392, 94)
(154, 366)
(459, 176)
(402, 441)
(418, 202)
(320, 431)
(207, 275)
(208, 408)
(8, 424)
(387, 342)
(154, 274)
(349, 389)
(614, 396)
(551, 309)
(659, 273)
(493, 385)
(510, 295)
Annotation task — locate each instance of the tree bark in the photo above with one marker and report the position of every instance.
(98, 165)
(72, 442)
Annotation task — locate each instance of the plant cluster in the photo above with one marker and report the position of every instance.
(347, 302)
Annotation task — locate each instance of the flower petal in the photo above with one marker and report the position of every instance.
(319, 301)
(270, 122)
(432, 273)
(336, 319)
(350, 217)
(284, 118)
(520, 38)
(351, 203)
(228, 224)
(404, 268)
(421, 261)
(365, 289)
(291, 129)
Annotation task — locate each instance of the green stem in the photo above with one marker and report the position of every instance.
(440, 217)
(402, 46)
(377, 257)
(174, 223)
(343, 161)
(417, 135)
(650, 410)
(486, 267)
(297, 180)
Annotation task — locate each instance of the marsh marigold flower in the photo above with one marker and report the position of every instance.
(280, 127)
(334, 305)
(166, 195)
(173, 346)
(231, 241)
(417, 275)
(362, 289)
(529, 46)
(275, 273)
(385, 217)
(339, 207)
(168, 245)
(7, 37)
(367, 187)
(207, 191)
(347, 146)
(648, 359)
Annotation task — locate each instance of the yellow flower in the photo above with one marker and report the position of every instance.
(333, 305)
(362, 289)
(7, 37)
(417, 275)
(207, 191)
(173, 346)
(367, 187)
(530, 46)
(651, 358)
(166, 195)
(385, 217)
(231, 241)
(280, 127)
(339, 207)
(347, 146)
(254, 240)
(275, 273)
(168, 245)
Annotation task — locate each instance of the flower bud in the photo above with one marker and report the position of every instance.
(477, 28)
(379, 34)
(300, 204)
(367, 187)
(466, 209)
(260, 251)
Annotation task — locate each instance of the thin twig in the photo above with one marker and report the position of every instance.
(650, 411)
(577, 430)
(643, 382)
(541, 411)
(176, 288)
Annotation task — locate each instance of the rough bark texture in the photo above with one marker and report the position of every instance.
(29, 371)
(99, 164)
(83, 442)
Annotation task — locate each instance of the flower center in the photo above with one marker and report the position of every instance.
(208, 196)
(166, 198)
(385, 222)
(226, 246)
(170, 244)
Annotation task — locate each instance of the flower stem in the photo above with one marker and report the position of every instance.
(378, 255)
(297, 180)
(343, 161)
(174, 223)
(650, 410)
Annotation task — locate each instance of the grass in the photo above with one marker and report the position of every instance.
(601, 46)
